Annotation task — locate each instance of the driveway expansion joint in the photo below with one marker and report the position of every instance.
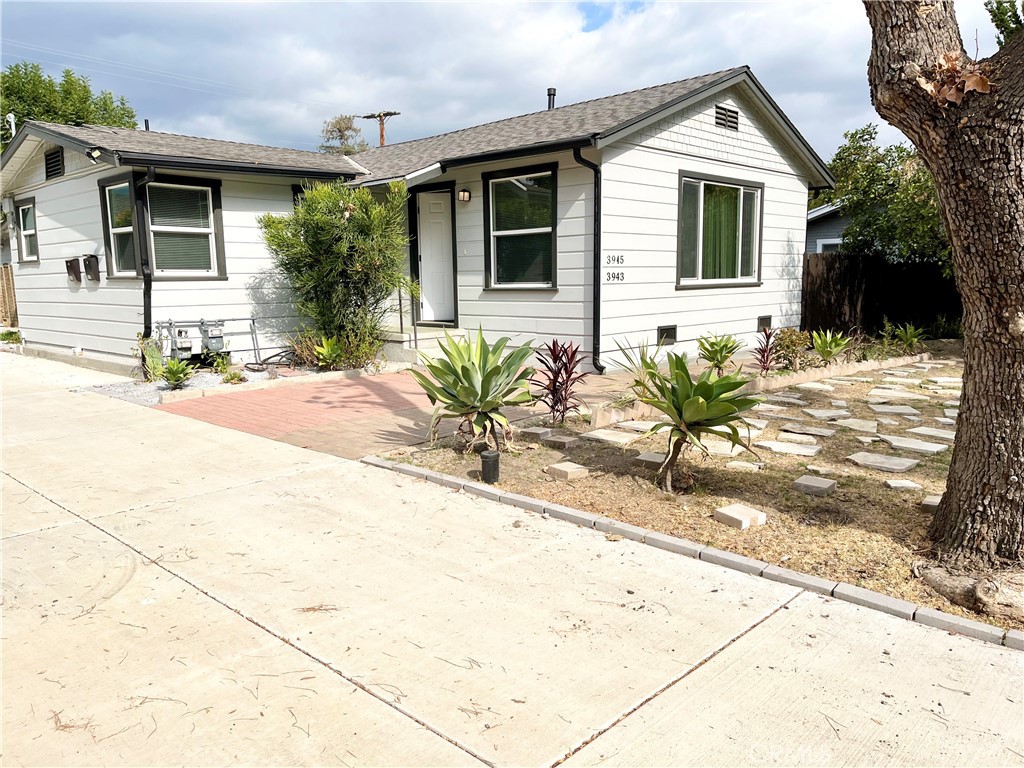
(850, 593)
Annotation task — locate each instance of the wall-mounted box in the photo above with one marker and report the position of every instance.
(92, 267)
(74, 268)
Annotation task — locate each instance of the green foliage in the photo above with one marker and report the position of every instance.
(343, 254)
(909, 338)
(560, 373)
(709, 405)
(944, 327)
(890, 197)
(1006, 18)
(472, 382)
(176, 373)
(31, 94)
(341, 136)
(718, 350)
(219, 362)
(11, 337)
(766, 353)
(234, 377)
(329, 353)
(791, 346)
(829, 345)
(150, 352)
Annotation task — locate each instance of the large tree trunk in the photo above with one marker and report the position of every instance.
(975, 151)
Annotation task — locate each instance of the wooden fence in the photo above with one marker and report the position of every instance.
(8, 303)
(842, 291)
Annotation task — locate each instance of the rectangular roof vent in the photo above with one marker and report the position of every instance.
(54, 162)
(727, 118)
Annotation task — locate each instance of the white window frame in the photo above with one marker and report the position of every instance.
(829, 241)
(755, 245)
(209, 231)
(495, 234)
(114, 270)
(23, 256)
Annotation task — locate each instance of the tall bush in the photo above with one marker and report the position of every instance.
(343, 254)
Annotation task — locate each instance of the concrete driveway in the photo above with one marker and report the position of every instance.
(175, 592)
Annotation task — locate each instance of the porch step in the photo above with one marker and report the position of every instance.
(403, 346)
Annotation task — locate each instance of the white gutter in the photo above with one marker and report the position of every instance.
(410, 179)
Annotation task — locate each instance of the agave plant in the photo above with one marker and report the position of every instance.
(329, 353)
(472, 382)
(695, 409)
(718, 350)
(909, 337)
(176, 373)
(829, 345)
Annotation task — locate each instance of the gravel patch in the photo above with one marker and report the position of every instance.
(148, 392)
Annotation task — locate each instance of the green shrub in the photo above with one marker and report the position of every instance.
(472, 382)
(330, 354)
(946, 328)
(559, 374)
(829, 345)
(909, 338)
(176, 373)
(717, 351)
(150, 352)
(234, 377)
(792, 347)
(695, 408)
(11, 337)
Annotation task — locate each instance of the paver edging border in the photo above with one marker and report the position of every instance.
(769, 383)
(839, 590)
(176, 396)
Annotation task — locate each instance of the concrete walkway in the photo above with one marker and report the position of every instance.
(179, 593)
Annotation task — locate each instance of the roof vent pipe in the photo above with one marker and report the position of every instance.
(146, 121)
(551, 98)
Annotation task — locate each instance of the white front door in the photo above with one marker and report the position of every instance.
(437, 272)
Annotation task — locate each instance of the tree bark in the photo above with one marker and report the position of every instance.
(975, 151)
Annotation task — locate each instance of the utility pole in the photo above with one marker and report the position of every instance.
(380, 117)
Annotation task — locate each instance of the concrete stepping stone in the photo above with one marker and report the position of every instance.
(650, 460)
(814, 486)
(778, 446)
(902, 485)
(895, 394)
(535, 434)
(561, 442)
(637, 426)
(917, 446)
(896, 409)
(782, 413)
(951, 413)
(784, 399)
(805, 429)
(902, 380)
(792, 437)
(897, 371)
(927, 366)
(887, 421)
(931, 503)
(755, 423)
(914, 419)
(938, 434)
(867, 440)
(819, 470)
(566, 470)
(826, 414)
(740, 516)
(769, 408)
(838, 403)
(882, 462)
(947, 380)
(816, 386)
(744, 466)
(861, 425)
(744, 430)
(612, 436)
(945, 420)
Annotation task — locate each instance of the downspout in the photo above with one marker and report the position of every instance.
(147, 270)
(596, 354)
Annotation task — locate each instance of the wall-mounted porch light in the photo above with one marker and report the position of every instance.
(93, 154)
(464, 196)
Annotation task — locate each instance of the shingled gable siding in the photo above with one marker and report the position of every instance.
(529, 316)
(249, 288)
(55, 313)
(640, 213)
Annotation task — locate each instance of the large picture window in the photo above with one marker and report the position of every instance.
(181, 229)
(719, 231)
(28, 239)
(521, 232)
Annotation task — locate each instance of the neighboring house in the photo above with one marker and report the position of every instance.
(692, 196)
(655, 215)
(825, 227)
(171, 224)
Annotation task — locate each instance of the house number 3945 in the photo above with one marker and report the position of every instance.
(614, 260)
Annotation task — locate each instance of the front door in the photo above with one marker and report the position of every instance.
(437, 272)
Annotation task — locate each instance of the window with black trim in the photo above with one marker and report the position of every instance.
(28, 239)
(181, 229)
(719, 231)
(121, 228)
(53, 162)
(520, 241)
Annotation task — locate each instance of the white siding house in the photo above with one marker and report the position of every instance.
(172, 224)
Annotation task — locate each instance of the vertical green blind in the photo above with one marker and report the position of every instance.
(717, 231)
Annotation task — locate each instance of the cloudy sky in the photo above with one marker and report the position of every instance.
(271, 73)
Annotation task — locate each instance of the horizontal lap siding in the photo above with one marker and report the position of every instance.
(527, 316)
(251, 289)
(102, 318)
(640, 222)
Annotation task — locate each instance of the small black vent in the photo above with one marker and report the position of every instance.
(667, 334)
(764, 321)
(54, 160)
(727, 118)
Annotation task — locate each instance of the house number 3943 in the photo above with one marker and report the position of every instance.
(614, 277)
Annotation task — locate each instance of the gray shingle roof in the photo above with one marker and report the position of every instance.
(563, 124)
(138, 145)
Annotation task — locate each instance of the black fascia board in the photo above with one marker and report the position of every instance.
(516, 152)
(227, 166)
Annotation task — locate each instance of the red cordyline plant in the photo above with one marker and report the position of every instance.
(766, 353)
(557, 376)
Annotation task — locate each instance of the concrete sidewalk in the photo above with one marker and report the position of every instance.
(177, 592)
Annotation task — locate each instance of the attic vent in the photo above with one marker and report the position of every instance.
(54, 161)
(727, 118)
